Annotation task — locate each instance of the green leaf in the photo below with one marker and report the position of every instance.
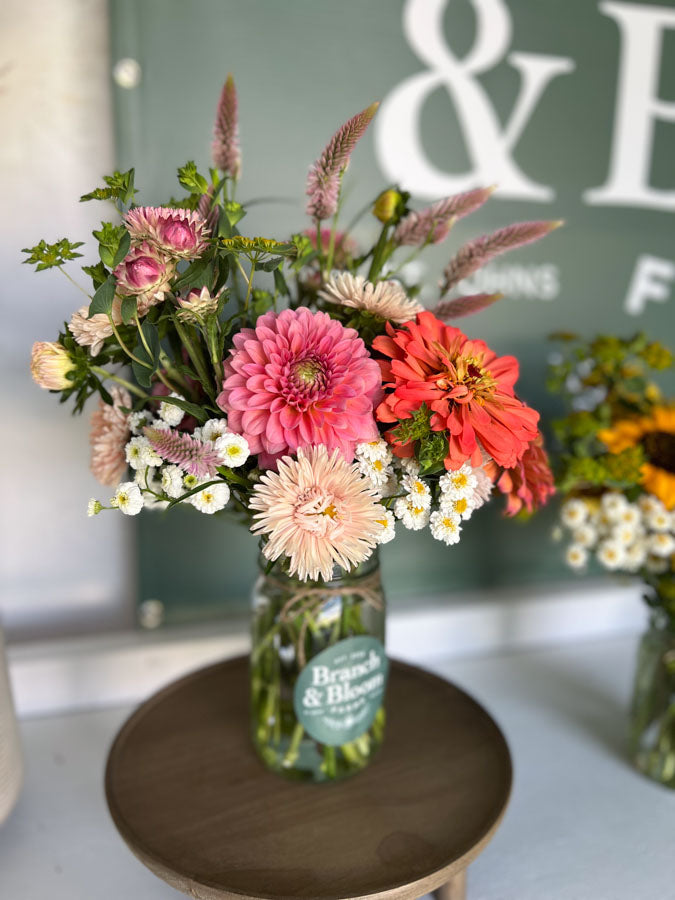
(129, 309)
(235, 212)
(102, 300)
(110, 238)
(280, 283)
(47, 256)
(122, 249)
(262, 302)
(191, 180)
(271, 264)
(97, 273)
(191, 408)
(119, 186)
(193, 276)
(141, 374)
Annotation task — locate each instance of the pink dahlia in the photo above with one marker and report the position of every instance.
(145, 271)
(300, 378)
(177, 232)
(108, 437)
(318, 511)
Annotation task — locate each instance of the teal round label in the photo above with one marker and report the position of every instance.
(340, 690)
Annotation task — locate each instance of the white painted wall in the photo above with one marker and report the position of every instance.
(55, 106)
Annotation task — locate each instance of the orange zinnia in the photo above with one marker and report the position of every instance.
(467, 387)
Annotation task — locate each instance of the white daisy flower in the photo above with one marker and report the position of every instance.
(170, 413)
(624, 534)
(387, 522)
(197, 433)
(376, 470)
(233, 449)
(657, 565)
(413, 516)
(445, 526)
(631, 515)
(576, 556)
(459, 483)
(611, 554)
(462, 506)
(409, 465)
(417, 490)
(128, 498)
(172, 481)
(373, 450)
(659, 520)
(94, 507)
(613, 505)
(139, 453)
(585, 535)
(191, 481)
(214, 429)
(661, 544)
(648, 503)
(573, 513)
(636, 555)
(137, 421)
(212, 499)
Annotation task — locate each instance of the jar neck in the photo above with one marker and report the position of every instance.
(279, 570)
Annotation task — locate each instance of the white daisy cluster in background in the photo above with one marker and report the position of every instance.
(399, 482)
(157, 482)
(623, 536)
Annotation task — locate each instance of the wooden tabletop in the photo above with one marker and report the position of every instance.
(193, 802)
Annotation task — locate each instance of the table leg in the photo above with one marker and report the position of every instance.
(455, 889)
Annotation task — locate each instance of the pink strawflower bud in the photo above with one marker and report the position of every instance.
(432, 224)
(50, 364)
(146, 272)
(199, 458)
(476, 253)
(225, 146)
(182, 233)
(323, 181)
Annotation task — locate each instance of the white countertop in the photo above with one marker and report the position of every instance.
(582, 824)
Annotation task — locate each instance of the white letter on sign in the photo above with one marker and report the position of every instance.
(649, 282)
(398, 140)
(637, 108)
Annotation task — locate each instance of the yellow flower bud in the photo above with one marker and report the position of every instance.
(50, 363)
(386, 205)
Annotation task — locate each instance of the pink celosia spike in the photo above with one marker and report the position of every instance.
(195, 457)
(464, 306)
(225, 146)
(476, 253)
(323, 181)
(431, 225)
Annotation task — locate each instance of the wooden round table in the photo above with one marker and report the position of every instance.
(194, 803)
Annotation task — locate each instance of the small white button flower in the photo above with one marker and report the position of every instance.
(648, 503)
(233, 449)
(624, 534)
(128, 498)
(462, 506)
(611, 554)
(659, 520)
(214, 429)
(212, 499)
(585, 535)
(409, 465)
(139, 453)
(636, 555)
(191, 481)
(413, 516)
(661, 544)
(445, 526)
(374, 450)
(631, 515)
(172, 481)
(94, 507)
(170, 413)
(137, 421)
(613, 505)
(417, 490)
(376, 470)
(387, 523)
(573, 513)
(576, 556)
(458, 484)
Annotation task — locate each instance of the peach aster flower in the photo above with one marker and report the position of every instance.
(386, 299)
(300, 378)
(318, 511)
(108, 437)
(93, 332)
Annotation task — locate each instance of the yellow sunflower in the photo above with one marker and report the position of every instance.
(656, 434)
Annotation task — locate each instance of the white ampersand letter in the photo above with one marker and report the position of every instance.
(398, 137)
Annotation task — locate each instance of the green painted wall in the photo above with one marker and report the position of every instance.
(304, 66)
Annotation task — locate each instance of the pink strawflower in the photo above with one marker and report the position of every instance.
(317, 510)
(386, 299)
(198, 458)
(108, 437)
(146, 272)
(300, 378)
(181, 233)
(225, 147)
(93, 332)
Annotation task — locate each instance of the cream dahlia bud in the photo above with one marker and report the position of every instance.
(177, 232)
(387, 205)
(50, 364)
(144, 270)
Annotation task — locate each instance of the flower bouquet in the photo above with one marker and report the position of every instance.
(617, 474)
(298, 383)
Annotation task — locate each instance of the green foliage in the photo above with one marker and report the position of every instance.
(431, 447)
(613, 470)
(97, 273)
(113, 243)
(190, 178)
(119, 186)
(149, 358)
(102, 300)
(47, 256)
